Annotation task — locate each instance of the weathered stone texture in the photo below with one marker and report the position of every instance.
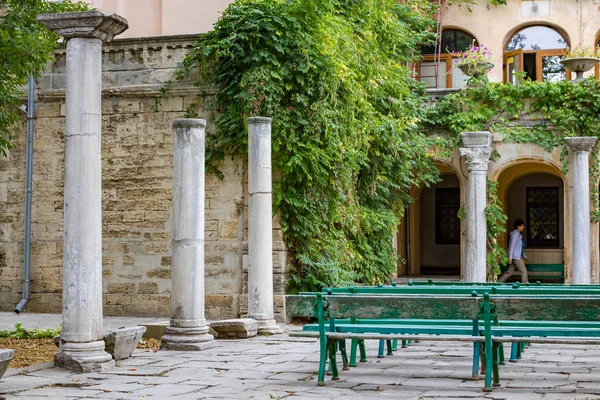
(137, 157)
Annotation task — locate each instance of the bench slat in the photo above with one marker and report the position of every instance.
(581, 308)
(371, 306)
(369, 336)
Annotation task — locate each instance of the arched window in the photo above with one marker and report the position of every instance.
(439, 58)
(537, 51)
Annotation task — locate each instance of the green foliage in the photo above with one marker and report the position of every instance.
(496, 224)
(556, 110)
(21, 333)
(25, 47)
(346, 149)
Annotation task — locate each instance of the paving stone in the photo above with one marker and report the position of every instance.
(60, 392)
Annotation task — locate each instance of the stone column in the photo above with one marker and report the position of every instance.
(581, 147)
(82, 346)
(476, 151)
(188, 329)
(260, 225)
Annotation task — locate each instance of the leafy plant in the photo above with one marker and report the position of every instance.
(25, 48)
(581, 51)
(21, 333)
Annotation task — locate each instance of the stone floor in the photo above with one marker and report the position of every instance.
(280, 367)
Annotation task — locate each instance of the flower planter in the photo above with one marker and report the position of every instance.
(580, 65)
(476, 70)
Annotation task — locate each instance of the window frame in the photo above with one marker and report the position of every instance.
(448, 57)
(539, 54)
(438, 239)
(531, 242)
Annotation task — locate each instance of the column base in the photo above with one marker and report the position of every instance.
(268, 327)
(83, 357)
(186, 339)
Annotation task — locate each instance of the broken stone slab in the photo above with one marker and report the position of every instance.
(5, 356)
(239, 328)
(123, 341)
(119, 343)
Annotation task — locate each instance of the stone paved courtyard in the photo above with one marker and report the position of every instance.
(280, 367)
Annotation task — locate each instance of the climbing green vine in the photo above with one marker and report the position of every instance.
(347, 148)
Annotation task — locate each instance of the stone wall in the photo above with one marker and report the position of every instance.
(137, 159)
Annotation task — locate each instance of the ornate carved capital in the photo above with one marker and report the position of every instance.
(477, 158)
(581, 143)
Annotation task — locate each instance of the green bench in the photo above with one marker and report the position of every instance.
(332, 337)
(541, 271)
(434, 315)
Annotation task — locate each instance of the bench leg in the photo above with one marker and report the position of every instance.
(363, 351)
(381, 348)
(476, 351)
(410, 342)
(501, 353)
(519, 351)
(496, 372)
(489, 358)
(332, 360)
(514, 349)
(388, 344)
(345, 366)
(353, 346)
(395, 344)
(322, 361)
(404, 343)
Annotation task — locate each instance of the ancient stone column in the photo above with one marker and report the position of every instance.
(188, 329)
(476, 151)
(82, 346)
(260, 225)
(581, 147)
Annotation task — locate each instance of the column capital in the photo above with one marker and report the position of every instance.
(88, 24)
(581, 143)
(477, 158)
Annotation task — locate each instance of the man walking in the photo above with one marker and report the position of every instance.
(516, 253)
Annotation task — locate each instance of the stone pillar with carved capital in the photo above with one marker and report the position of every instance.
(581, 147)
(82, 344)
(476, 152)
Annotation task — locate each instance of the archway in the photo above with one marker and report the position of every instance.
(535, 192)
(429, 237)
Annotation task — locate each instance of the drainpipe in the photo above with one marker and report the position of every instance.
(28, 179)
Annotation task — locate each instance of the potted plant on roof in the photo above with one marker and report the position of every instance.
(475, 61)
(580, 59)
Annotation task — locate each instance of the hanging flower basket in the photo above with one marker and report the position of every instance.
(476, 70)
(579, 65)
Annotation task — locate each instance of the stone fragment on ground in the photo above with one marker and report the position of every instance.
(123, 341)
(5, 356)
(239, 328)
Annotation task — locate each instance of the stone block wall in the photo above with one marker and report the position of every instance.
(137, 169)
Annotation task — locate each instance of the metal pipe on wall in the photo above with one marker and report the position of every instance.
(28, 186)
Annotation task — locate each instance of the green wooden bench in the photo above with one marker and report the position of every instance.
(541, 271)
(332, 336)
(374, 322)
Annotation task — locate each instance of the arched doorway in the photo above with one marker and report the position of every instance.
(430, 235)
(535, 193)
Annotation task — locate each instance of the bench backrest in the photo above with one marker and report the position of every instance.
(474, 290)
(552, 308)
(386, 306)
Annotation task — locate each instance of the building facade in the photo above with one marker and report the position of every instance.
(137, 163)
